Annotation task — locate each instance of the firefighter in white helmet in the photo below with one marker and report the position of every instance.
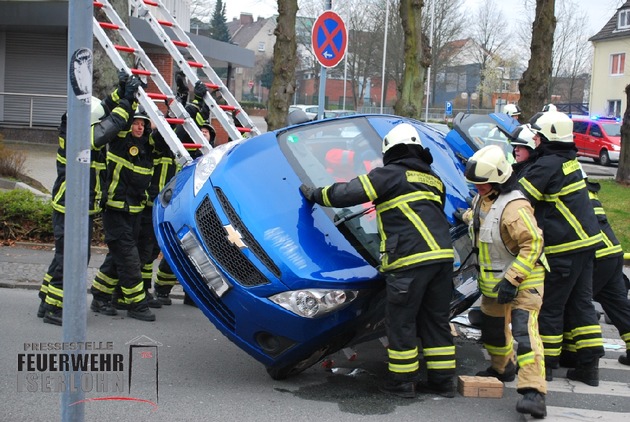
(556, 189)
(524, 149)
(417, 259)
(509, 246)
(513, 111)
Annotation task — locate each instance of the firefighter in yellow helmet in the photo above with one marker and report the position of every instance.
(417, 259)
(556, 189)
(509, 247)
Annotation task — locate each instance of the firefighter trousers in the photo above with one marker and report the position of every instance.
(568, 306)
(498, 339)
(122, 264)
(418, 302)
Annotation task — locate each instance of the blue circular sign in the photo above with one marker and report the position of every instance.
(329, 39)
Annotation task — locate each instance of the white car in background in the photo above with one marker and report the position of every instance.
(310, 110)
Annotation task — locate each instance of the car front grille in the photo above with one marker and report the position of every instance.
(193, 280)
(251, 243)
(228, 256)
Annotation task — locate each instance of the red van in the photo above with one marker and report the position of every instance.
(598, 138)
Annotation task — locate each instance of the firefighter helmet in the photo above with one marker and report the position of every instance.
(525, 138)
(512, 110)
(403, 133)
(553, 126)
(488, 165)
(97, 110)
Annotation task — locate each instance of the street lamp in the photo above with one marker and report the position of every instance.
(500, 89)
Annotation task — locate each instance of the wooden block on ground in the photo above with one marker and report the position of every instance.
(469, 386)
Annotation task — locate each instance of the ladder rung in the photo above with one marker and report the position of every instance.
(195, 64)
(98, 5)
(141, 72)
(108, 25)
(157, 96)
(192, 146)
(174, 121)
(227, 107)
(125, 48)
(165, 23)
(213, 86)
(150, 3)
(244, 129)
(180, 43)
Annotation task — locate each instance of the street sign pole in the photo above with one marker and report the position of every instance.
(329, 40)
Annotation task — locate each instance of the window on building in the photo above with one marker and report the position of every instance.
(617, 63)
(624, 20)
(614, 108)
(261, 46)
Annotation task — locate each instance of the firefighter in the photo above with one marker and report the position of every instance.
(513, 111)
(509, 246)
(524, 149)
(104, 127)
(417, 259)
(129, 173)
(609, 285)
(556, 189)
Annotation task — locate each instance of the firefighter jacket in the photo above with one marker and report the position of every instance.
(409, 200)
(164, 166)
(556, 189)
(508, 241)
(610, 246)
(129, 172)
(101, 133)
(199, 112)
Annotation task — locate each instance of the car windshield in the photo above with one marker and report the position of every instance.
(337, 151)
(612, 129)
(487, 133)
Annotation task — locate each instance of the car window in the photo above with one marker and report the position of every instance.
(579, 127)
(596, 130)
(612, 129)
(338, 150)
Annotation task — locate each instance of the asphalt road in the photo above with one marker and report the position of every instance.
(203, 376)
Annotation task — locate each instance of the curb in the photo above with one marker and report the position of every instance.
(9, 184)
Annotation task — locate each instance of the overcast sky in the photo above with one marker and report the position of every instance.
(600, 11)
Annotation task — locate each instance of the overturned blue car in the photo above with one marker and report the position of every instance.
(287, 281)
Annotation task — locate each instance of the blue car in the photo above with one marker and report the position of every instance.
(287, 281)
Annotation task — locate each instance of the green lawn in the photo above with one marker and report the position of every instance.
(616, 201)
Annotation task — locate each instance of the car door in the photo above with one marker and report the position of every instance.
(595, 139)
(580, 137)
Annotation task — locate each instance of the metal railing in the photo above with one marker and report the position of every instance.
(31, 107)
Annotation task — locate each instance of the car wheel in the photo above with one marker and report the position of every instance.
(604, 158)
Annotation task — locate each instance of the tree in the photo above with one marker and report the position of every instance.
(534, 85)
(284, 63)
(218, 23)
(489, 32)
(623, 171)
(417, 59)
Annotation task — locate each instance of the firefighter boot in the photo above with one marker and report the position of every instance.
(532, 403)
(53, 315)
(164, 299)
(153, 302)
(446, 389)
(625, 360)
(586, 373)
(509, 373)
(568, 359)
(103, 306)
(41, 311)
(141, 311)
(405, 389)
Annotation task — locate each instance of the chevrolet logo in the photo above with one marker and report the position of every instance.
(234, 237)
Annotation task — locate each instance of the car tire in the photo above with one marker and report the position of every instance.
(604, 158)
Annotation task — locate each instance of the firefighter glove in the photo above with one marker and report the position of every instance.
(131, 88)
(122, 81)
(308, 192)
(459, 214)
(200, 90)
(180, 81)
(506, 291)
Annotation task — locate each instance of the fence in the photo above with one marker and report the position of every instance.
(31, 109)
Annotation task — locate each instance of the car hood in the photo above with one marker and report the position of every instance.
(300, 239)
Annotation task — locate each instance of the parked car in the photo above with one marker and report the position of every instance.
(310, 110)
(328, 114)
(598, 138)
(287, 281)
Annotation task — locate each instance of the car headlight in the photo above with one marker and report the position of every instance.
(208, 162)
(616, 147)
(313, 303)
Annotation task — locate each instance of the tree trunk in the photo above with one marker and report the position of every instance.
(623, 171)
(534, 85)
(285, 61)
(104, 74)
(417, 60)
